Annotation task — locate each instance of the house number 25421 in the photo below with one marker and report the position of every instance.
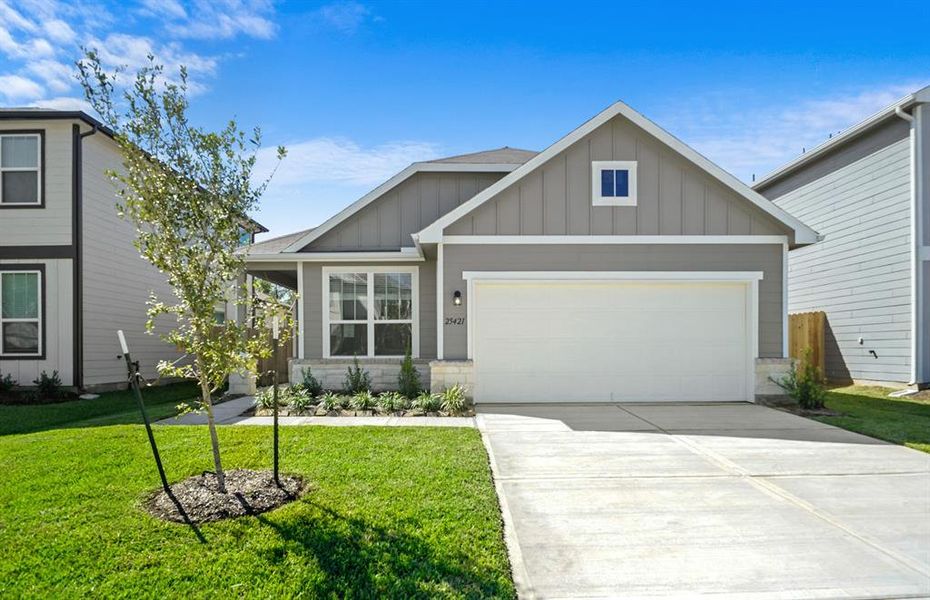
(455, 320)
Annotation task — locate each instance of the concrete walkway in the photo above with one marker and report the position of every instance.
(729, 500)
(231, 413)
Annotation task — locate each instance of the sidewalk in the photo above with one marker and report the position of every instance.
(231, 413)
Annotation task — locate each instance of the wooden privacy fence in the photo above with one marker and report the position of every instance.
(266, 365)
(806, 330)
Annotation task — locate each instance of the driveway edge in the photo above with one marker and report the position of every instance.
(521, 579)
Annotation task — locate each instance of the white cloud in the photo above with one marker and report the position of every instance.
(59, 31)
(338, 160)
(40, 39)
(345, 16)
(16, 88)
(753, 139)
(64, 103)
(216, 19)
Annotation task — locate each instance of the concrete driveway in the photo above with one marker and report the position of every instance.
(728, 500)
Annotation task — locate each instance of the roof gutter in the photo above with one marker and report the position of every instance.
(920, 196)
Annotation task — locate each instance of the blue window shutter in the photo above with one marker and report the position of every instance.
(607, 183)
(623, 183)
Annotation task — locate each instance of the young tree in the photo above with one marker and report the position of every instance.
(188, 192)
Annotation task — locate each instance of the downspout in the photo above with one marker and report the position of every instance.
(915, 248)
(77, 235)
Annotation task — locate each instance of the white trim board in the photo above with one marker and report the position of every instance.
(406, 255)
(708, 276)
(393, 182)
(613, 239)
(803, 234)
(371, 270)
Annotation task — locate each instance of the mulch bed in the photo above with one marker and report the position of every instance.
(248, 493)
(788, 405)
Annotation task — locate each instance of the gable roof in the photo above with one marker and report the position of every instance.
(802, 233)
(505, 155)
(500, 160)
(847, 135)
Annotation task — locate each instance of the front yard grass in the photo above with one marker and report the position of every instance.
(391, 512)
(869, 410)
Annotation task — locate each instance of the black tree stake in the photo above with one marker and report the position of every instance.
(275, 399)
(133, 370)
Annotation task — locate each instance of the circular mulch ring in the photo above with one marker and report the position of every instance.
(197, 499)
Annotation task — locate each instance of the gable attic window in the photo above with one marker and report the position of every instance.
(20, 169)
(613, 183)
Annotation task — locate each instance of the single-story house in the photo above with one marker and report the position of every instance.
(867, 192)
(616, 265)
(69, 273)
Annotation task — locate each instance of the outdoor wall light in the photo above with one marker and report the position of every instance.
(457, 298)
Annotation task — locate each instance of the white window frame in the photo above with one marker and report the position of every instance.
(37, 169)
(39, 319)
(371, 321)
(600, 165)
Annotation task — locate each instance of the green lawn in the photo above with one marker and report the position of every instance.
(870, 411)
(392, 512)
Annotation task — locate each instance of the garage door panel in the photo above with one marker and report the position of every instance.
(610, 341)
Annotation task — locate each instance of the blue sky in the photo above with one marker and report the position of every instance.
(358, 90)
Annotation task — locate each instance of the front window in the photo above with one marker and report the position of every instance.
(20, 166)
(20, 313)
(371, 313)
(613, 183)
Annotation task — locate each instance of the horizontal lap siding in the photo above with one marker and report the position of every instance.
(314, 305)
(117, 281)
(859, 274)
(675, 197)
(50, 225)
(386, 223)
(673, 257)
(58, 324)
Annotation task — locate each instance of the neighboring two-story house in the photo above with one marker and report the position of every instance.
(69, 273)
(867, 192)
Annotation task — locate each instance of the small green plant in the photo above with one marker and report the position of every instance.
(7, 383)
(362, 401)
(332, 401)
(357, 379)
(313, 385)
(48, 386)
(428, 402)
(299, 398)
(408, 380)
(265, 397)
(804, 386)
(453, 399)
(393, 402)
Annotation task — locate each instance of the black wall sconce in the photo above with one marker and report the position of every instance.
(457, 298)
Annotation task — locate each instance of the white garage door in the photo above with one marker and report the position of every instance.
(563, 341)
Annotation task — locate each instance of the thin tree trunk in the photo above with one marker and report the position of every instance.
(214, 441)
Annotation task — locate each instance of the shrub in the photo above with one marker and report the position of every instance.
(453, 399)
(357, 379)
(428, 402)
(362, 401)
(408, 381)
(265, 397)
(313, 385)
(332, 401)
(7, 383)
(393, 402)
(48, 386)
(804, 386)
(299, 398)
